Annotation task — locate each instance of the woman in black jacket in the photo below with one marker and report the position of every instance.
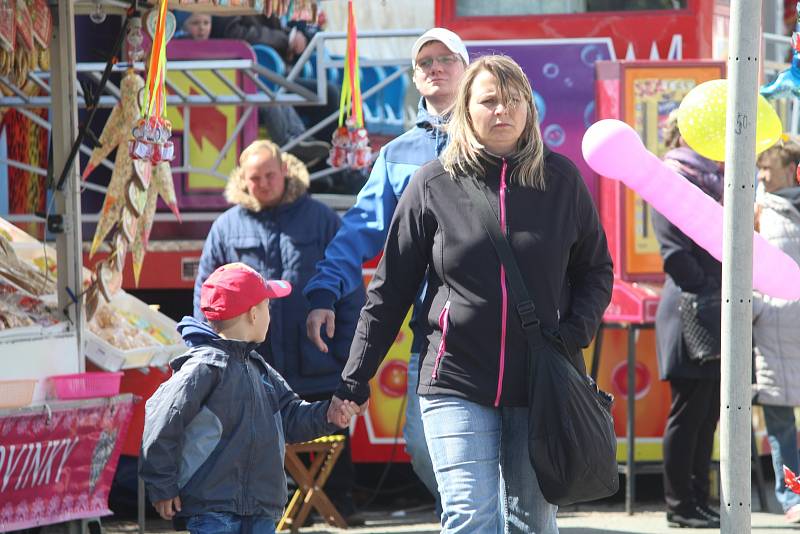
(693, 416)
(472, 383)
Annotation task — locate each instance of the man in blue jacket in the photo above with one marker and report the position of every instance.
(277, 229)
(439, 58)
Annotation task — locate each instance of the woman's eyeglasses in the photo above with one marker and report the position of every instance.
(444, 61)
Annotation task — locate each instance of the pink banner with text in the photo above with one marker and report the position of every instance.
(57, 464)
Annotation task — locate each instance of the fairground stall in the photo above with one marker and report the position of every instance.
(215, 90)
(61, 428)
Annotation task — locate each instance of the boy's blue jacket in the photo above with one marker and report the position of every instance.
(215, 432)
(365, 225)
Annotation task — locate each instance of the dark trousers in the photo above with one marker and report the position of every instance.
(689, 442)
(339, 486)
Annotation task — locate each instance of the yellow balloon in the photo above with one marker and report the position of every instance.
(701, 120)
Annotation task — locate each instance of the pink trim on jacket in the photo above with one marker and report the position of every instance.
(443, 323)
(503, 290)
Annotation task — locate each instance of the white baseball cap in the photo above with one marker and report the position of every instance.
(449, 39)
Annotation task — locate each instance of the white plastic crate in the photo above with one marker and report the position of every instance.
(38, 352)
(165, 341)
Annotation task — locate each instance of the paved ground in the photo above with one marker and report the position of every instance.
(605, 517)
(584, 520)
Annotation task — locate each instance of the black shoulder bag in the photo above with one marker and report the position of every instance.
(571, 440)
(701, 316)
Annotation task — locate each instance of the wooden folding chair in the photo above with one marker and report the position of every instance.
(310, 481)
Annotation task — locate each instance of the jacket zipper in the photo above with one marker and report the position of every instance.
(443, 325)
(245, 495)
(503, 289)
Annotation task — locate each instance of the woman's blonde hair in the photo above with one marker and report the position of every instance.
(464, 152)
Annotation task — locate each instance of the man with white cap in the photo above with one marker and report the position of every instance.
(439, 59)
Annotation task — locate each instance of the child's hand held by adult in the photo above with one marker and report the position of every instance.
(168, 507)
(341, 411)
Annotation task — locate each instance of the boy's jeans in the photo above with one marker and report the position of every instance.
(782, 437)
(480, 456)
(414, 433)
(227, 523)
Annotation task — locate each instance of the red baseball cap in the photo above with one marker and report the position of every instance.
(234, 288)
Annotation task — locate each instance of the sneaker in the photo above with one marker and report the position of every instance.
(792, 515)
(355, 519)
(691, 519)
(706, 510)
(311, 152)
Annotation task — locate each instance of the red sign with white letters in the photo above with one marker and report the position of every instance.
(57, 465)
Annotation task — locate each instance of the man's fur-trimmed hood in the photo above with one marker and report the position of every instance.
(297, 180)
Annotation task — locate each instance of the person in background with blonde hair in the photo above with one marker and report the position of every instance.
(276, 228)
(776, 322)
(473, 382)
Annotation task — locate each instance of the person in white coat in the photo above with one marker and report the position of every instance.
(776, 322)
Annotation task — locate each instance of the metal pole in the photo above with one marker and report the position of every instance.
(737, 265)
(630, 475)
(140, 504)
(64, 115)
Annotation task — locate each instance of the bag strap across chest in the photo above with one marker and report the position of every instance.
(522, 300)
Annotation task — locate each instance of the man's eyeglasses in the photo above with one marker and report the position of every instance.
(444, 61)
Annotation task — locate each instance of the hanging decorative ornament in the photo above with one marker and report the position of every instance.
(115, 134)
(139, 131)
(787, 83)
(152, 131)
(135, 198)
(120, 250)
(350, 143)
(134, 41)
(144, 225)
(116, 131)
(170, 24)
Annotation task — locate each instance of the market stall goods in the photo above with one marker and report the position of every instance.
(24, 275)
(26, 29)
(269, 8)
(126, 333)
(18, 309)
(115, 330)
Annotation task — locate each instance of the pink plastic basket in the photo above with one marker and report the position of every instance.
(86, 385)
(16, 393)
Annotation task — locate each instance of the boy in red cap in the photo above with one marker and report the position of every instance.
(215, 432)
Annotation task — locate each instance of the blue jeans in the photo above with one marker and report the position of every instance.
(480, 457)
(782, 437)
(228, 523)
(414, 433)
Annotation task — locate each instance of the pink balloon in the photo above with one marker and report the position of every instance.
(613, 149)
